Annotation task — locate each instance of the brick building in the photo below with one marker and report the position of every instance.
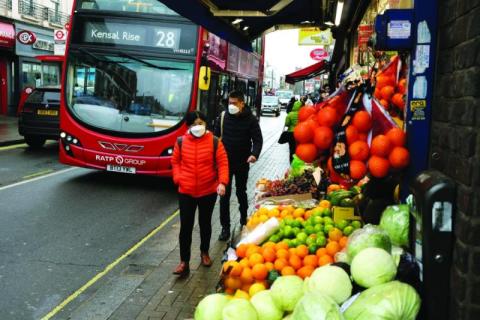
(455, 144)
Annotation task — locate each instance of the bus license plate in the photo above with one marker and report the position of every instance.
(44, 112)
(121, 169)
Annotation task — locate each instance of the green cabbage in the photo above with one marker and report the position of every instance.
(287, 291)
(373, 266)
(332, 281)
(266, 308)
(211, 307)
(316, 306)
(369, 236)
(239, 309)
(390, 301)
(395, 222)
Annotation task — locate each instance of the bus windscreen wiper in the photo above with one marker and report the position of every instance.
(126, 55)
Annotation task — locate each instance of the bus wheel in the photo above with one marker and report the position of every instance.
(35, 142)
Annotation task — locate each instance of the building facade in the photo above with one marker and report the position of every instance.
(27, 33)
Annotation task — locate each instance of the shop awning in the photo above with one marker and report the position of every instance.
(308, 72)
(242, 21)
(50, 58)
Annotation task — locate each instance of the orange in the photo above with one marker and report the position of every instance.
(327, 117)
(251, 250)
(246, 287)
(323, 137)
(307, 214)
(229, 291)
(359, 150)
(381, 146)
(245, 263)
(259, 272)
(281, 245)
(269, 266)
(255, 259)
(292, 251)
(273, 213)
(233, 283)
(280, 264)
(358, 169)
(378, 166)
(303, 133)
(321, 252)
(284, 213)
(402, 86)
(325, 259)
(399, 157)
(295, 261)
(397, 137)
(385, 80)
(302, 251)
(300, 219)
(269, 254)
(288, 271)
(335, 234)
(398, 101)
(362, 136)
(242, 250)
(282, 254)
(305, 271)
(332, 248)
(311, 260)
(377, 94)
(227, 266)
(325, 204)
(352, 134)
(387, 92)
(385, 104)
(343, 241)
(246, 276)
(269, 244)
(236, 269)
(362, 121)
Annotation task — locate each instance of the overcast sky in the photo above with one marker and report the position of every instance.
(283, 52)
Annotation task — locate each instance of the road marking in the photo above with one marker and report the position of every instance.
(37, 178)
(21, 145)
(15, 146)
(41, 173)
(107, 269)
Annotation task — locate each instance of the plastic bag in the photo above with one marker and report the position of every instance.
(262, 232)
(297, 167)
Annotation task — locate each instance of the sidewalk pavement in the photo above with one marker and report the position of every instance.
(147, 289)
(9, 131)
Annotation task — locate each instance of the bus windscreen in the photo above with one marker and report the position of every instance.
(138, 6)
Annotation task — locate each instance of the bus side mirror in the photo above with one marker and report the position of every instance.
(204, 78)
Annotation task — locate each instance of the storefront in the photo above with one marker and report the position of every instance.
(31, 42)
(7, 48)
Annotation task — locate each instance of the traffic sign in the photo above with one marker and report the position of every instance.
(60, 35)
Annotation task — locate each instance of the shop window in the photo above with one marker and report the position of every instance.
(31, 75)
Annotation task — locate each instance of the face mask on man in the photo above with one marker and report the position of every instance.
(198, 130)
(233, 109)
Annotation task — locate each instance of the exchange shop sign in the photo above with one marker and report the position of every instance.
(175, 38)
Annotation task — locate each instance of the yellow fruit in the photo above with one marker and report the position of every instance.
(299, 212)
(263, 218)
(273, 213)
(240, 294)
(284, 213)
(324, 204)
(262, 211)
(255, 288)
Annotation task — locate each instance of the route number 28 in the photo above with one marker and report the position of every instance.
(166, 39)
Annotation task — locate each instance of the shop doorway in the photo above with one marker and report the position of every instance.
(3, 86)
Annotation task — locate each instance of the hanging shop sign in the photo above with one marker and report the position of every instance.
(26, 37)
(319, 54)
(7, 35)
(314, 36)
(364, 33)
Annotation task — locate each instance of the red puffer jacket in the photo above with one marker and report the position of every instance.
(194, 169)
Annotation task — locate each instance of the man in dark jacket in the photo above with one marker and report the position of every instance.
(242, 138)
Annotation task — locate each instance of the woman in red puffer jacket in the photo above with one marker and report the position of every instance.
(200, 169)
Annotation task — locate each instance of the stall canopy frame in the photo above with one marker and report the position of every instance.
(308, 72)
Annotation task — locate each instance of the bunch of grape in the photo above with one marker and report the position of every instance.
(293, 185)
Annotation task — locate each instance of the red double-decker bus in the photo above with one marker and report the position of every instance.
(132, 72)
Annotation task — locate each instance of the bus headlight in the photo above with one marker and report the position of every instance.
(167, 152)
(67, 141)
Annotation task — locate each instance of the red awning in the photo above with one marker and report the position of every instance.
(308, 72)
(50, 58)
(7, 35)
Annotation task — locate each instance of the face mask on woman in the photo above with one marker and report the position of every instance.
(233, 109)
(198, 130)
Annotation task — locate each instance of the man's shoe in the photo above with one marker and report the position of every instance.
(206, 261)
(224, 235)
(182, 269)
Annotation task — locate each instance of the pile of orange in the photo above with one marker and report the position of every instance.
(336, 243)
(388, 153)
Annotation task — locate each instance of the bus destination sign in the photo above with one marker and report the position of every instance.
(170, 38)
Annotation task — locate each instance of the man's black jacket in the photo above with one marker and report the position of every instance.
(242, 136)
